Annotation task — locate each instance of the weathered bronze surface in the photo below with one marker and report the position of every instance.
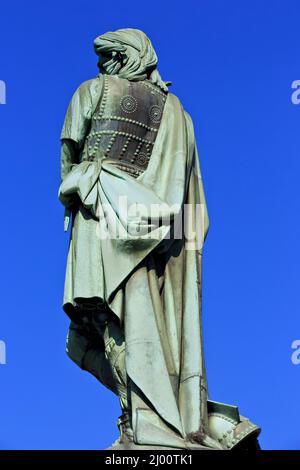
(133, 279)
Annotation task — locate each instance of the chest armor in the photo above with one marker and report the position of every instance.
(125, 124)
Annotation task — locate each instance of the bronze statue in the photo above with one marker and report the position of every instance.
(131, 182)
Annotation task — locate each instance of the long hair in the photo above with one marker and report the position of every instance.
(131, 55)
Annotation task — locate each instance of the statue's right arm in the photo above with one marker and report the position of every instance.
(76, 127)
(68, 156)
(77, 122)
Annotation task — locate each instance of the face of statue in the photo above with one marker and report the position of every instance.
(103, 59)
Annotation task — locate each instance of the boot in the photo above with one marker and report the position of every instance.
(124, 425)
(125, 440)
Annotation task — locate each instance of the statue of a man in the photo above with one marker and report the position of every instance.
(132, 186)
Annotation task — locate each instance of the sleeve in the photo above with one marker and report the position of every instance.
(75, 128)
(80, 110)
(77, 122)
(68, 157)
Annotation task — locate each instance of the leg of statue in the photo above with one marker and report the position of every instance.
(98, 346)
(114, 345)
(86, 349)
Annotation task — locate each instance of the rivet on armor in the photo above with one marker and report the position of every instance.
(142, 159)
(155, 113)
(128, 104)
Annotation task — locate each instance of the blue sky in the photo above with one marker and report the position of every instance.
(232, 64)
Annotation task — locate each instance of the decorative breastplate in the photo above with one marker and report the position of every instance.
(125, 124)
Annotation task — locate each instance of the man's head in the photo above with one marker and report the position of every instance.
(129, 54)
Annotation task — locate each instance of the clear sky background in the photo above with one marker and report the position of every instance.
(232, 64)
